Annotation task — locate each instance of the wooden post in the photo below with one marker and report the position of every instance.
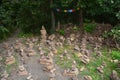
(52, 18)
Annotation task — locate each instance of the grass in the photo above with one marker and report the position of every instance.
(22, 35)
(91, 67)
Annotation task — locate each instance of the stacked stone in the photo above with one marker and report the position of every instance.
(4, 76)
(85, 57)
(88, 78)
(22, 70)
(48, 64)
(10, 59)
(114, 75)
(83, 44)
(30, 51)
(73, 72)
(43, 35)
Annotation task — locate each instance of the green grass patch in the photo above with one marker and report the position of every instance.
(115, 54)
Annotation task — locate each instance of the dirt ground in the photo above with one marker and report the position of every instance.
(21, 47)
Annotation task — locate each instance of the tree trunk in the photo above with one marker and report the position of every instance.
(52, 19)
(81, 19)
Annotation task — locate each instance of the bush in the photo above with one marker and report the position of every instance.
(61, 32)
(29, 15)
(118, 15)
(3, 32)
(115, 33)
(116, 55)
(89, 27)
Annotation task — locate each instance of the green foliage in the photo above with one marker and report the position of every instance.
(115, 33)
(32, 15)
(61, 32)
(28, 15)
(115, 54)
(118, 15)
(3, 32)
(89, 27)
(22, 34)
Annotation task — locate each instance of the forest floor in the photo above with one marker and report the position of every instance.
(72, 56)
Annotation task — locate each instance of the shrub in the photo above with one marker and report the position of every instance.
(89, 27)
(118, 15)
(116, 54)
(3, 32)
(115, 33)
(61, 32)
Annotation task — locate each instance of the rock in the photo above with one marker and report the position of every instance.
(52, 70)
(115, 61)
(87, 78)
(5, 75)
(30, 52)
(72, 37)
(82, 68)
(65, 53)
(74, 78)
(51, 37)
(29, 77)
(87, 53)
(85, 59)
(5, 45)
(10, 60)
(114, 76)
(46, 60)
(71, 72)
(103, 64)
(54, 50)
(22, 52)
(42, 53)
(39, 48)
(99, 53)
(62, 38)
(79, 55)
(50, 54)
(100, 69)
(43, 34)
(77, 48)
(48, 67)
(22, 71)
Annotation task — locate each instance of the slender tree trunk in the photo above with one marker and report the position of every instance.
(81, 19)
(52, 19)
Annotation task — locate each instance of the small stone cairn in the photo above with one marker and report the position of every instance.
(43, 35)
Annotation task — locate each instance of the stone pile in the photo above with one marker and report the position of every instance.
(30, 77)
(114, 75)
(83, 44)
(5, 45)
(10, 60)
(85, 59)
(22, 70)
(4, 76)
(73, 72)
(88, 78)
(48, 64)
(43, 35)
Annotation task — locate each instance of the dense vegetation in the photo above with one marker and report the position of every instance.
(30, 15)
